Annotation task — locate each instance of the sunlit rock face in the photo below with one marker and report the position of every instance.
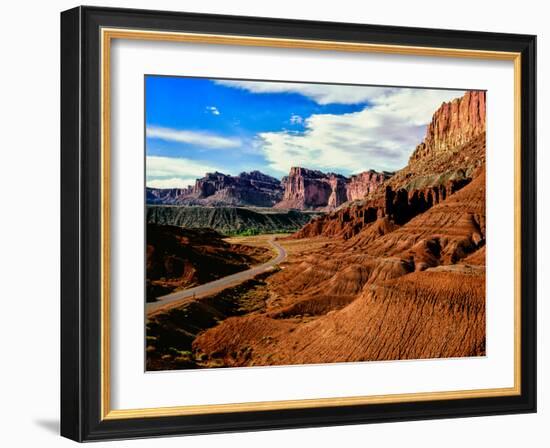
(312, 189)
(450, 156)
(218, 189)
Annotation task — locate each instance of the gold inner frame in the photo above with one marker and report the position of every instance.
(107, 35)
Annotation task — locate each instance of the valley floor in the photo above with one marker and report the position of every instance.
(263, 243)
(311, 310)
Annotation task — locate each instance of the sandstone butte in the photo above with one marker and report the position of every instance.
(399, 274)
(216, 189)
(312, 189)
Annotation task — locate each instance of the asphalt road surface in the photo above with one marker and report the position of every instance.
(180, 297)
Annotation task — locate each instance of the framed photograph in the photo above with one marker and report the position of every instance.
(276, 224)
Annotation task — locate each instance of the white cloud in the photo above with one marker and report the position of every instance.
(213, 110)
(380, 137)
(203, 139)
(174, 172)
(320, 93)
(296, 119)
(174, 182)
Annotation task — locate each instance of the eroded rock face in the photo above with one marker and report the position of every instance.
(451, 154)
(254, 188)
(302, 189)
(212, 183)
(453, 125)
(428, 314)
(364, 183)
(339, 193)
(310, 189)
(165, 195)
(218, 189)
(400, 206)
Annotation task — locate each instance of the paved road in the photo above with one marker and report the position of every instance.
(180, 297)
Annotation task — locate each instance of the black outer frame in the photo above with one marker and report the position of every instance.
(81, 207)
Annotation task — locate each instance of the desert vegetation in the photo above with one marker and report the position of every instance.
(230, 221)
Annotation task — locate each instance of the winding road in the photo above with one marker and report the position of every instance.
(179, 298)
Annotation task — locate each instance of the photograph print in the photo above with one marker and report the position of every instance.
(293, 223)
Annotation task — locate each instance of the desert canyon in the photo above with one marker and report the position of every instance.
(377, 266)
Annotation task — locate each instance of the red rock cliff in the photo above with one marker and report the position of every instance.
(454, 124)
(307, 189)
(364, 183)
(451, 155)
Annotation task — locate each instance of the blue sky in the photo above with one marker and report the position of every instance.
(196, 125)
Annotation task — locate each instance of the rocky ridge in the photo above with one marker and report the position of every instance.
(312, 189)
(229, 220)
(302, 189)
(165, 195)
(218, 189)
(436, 169)
(454, 124)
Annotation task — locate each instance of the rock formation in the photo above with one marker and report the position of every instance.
(451, 153)
(360, 185)
(454, 124)
(312, 189)
(398, 274)
(302, 189)
(218, 189)
(165, 195)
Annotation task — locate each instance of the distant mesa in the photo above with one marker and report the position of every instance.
(310, 189)
(218, 189)
(302, 189)
(166, 195)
